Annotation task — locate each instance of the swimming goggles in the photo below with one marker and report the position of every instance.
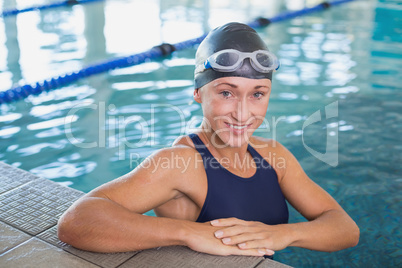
(229, 60)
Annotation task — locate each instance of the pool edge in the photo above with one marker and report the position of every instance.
(29, 210)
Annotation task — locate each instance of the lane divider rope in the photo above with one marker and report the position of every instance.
(21, 92)
(13, 12)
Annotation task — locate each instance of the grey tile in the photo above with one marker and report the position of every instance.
(267, 263)
(179, 256)
(102, 259)
(10, 237)
(36, 253)
(12, 177)
(36, 206)
(50, 236)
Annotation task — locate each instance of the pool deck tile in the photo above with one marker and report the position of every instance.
(36, 206)
(11, 177)
(37, 253)
(102, 259)
(29, 210)
(180, 256)
(11, 237)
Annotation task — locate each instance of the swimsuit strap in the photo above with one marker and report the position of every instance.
(200, 146)
(261, 162)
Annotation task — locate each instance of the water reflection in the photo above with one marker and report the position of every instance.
(10, 117)
(8, 132)
(152, 85)
(69, 170)
(52, 110)
(50, 133)
(71, 92)
(52, 123)
(37, 148)
(12, 73)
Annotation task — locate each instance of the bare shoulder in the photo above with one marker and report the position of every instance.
(182, 149)
(162, 176)
(170, 160)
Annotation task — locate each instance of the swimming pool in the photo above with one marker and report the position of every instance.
(348, 57)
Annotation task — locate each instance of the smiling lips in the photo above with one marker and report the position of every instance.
(238, 129)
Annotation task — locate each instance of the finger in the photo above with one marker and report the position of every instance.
(235, 230)
(267, 251)
(227, 222)
(244, 238)
(256, 243)
(232, 231)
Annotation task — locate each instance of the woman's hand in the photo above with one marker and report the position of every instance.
(252, 235)
(200, 237)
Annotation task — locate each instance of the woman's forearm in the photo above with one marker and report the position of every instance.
(333, 230)
(98, 224)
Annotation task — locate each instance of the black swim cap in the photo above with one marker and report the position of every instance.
(233, 35)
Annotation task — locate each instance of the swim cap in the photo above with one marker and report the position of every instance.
(235, 36)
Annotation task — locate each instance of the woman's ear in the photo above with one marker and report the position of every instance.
(197, 95)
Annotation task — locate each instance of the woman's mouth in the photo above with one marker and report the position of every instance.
(238, 129)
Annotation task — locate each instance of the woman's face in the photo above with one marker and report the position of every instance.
(233, 108)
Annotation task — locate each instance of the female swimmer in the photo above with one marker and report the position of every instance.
(219, 190)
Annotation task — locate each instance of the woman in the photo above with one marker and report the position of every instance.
(220, 190)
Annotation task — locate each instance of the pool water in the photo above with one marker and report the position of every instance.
(343, 64)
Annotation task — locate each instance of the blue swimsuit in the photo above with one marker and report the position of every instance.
(258, 198)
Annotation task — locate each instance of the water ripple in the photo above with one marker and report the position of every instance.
(56, 170)
(52, 123)
(37, 148)
(9, 131)
(10, 117)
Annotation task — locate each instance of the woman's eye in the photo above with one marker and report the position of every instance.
(258, 95)
(225, 94)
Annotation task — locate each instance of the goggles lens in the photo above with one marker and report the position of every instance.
(264, 60)
(229, 60)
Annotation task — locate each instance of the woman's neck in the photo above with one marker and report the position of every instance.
(232, 156)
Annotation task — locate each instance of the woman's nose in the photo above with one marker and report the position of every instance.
(242, 113)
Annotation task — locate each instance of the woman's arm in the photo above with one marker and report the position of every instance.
(101, 225)
(329, 228)
(109, 218)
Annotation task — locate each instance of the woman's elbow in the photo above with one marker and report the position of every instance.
(67, 230)
(351, 238)
(355, 235)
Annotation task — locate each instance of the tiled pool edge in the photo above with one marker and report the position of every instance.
(29, 209)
